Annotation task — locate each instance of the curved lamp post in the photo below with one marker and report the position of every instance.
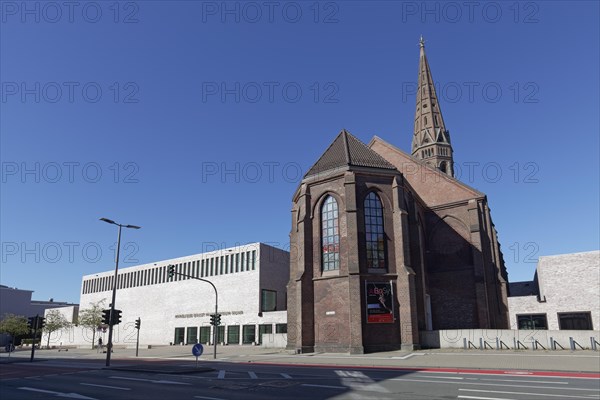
(109, 345)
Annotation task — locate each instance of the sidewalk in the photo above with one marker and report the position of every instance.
(580, 361)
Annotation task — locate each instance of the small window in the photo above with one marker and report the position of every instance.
(179, 336)
(280, 328)
(577, 321)
(532, 322)
(268, 300)
(248, 334)
(192, 335)
(264, 329)
(233, 334)
(205, 334)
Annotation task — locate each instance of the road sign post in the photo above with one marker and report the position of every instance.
(197, 350)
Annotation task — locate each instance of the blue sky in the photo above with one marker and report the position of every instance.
(196, 120)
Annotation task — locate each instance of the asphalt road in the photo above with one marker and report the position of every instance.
(64, 378)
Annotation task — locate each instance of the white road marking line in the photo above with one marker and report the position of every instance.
(512, 355)
(221, 374)
(286, 376)
(58, 394)
(252, 375)
(357, 380)
(325, 386)
(149, 380)
(446, 377)
(483, 398)
(526, 393)
(519, 380)
(408, 356)
(104, 386)
(492, 384)
(208, 398)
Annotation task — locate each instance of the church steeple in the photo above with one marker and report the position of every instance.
(431, 140)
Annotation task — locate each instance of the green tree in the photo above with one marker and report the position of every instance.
(55, 321)
(14, 325)
(91, 318)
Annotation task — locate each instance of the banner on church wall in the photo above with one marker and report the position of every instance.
(380, 302)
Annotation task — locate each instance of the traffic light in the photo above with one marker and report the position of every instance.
(215, 319)
(171, 271)
(116, 317)
(31, 323)
(138, 323)
(106, 317)
(40, 322)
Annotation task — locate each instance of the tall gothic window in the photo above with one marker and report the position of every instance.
(330, 236)
(375, 240)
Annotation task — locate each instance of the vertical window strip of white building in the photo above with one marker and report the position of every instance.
(216, 265)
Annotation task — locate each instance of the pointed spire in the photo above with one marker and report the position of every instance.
(431, 140)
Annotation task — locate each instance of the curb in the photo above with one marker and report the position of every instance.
(556, 374)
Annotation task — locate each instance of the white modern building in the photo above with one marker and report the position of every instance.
(18, 302)
(564, 294)
(251, 284)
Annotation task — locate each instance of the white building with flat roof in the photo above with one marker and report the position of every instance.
(564, 294)
(251, 284)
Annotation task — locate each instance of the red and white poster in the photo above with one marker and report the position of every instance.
(380, 302)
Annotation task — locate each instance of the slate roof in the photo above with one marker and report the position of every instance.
(347, 150)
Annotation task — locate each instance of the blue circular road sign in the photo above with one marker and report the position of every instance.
(197, 350)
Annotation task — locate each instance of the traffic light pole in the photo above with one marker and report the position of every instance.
(34, 330)
(137, 343)
(216, 308)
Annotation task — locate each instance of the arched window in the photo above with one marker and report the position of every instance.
(330, 236)
(443, 167)
(374, 237)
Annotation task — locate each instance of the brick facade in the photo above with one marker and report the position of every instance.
(442, 259)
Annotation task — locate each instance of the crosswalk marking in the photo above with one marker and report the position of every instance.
(221, 374)
(252, 375)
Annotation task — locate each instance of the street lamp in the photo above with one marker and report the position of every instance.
(109, 345)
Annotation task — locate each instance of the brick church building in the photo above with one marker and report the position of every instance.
(385, 244)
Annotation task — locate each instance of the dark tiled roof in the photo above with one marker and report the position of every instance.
(347, 150)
